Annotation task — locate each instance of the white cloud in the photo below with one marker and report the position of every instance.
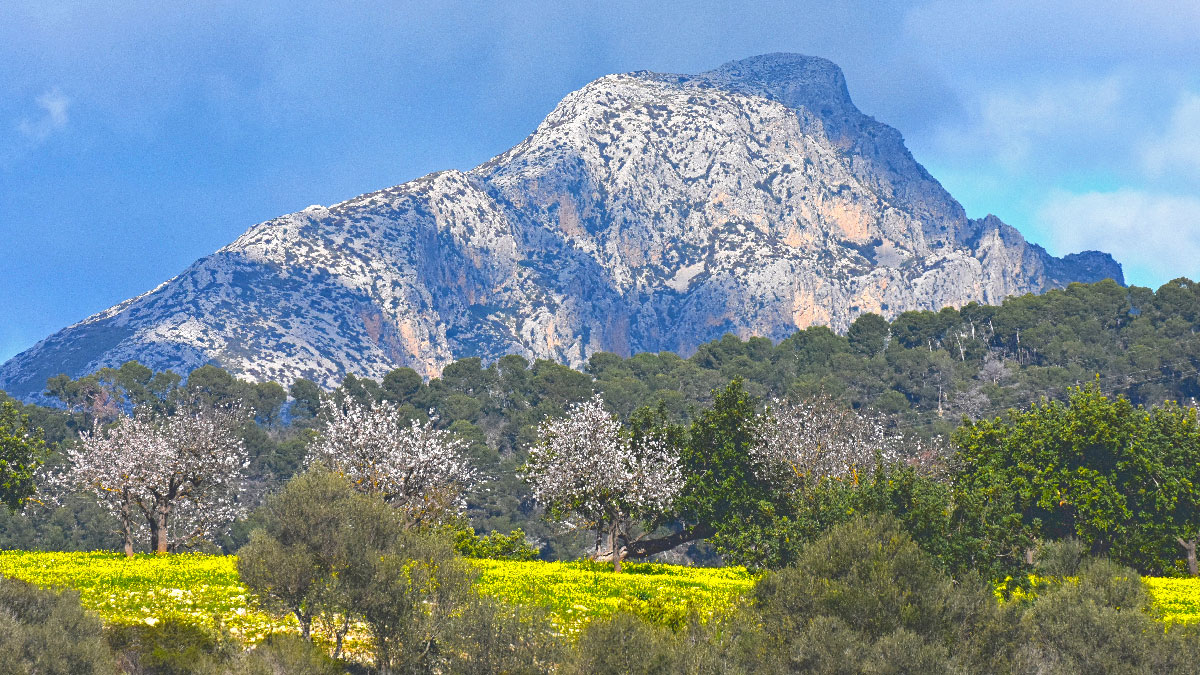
(1155, 235)
(1015, 126)
(54, 116)
(1177, 149)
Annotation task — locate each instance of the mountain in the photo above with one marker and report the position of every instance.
(647, 212)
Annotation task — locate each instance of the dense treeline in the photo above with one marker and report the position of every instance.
(925, 370)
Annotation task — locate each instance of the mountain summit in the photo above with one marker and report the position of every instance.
(647, 212)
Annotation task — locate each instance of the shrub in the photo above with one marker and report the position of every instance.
(409, 599)
(1099, 623)
(48, 632)
(492, 637)
(169, 647)
(495, 546)
(863, 596)
(623, 643)
(1060, 558)
(282, 655)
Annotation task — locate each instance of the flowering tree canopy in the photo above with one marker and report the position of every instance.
(799, 444)
(417, 468)
(587, 470)
(177, 476)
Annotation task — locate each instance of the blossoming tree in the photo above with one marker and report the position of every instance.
(799, 444)
(177, 477)
(419, 469)
(587, 470)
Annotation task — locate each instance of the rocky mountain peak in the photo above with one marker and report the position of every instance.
(794, 80)
(647, 212)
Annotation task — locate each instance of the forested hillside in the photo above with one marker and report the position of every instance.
(925, 371)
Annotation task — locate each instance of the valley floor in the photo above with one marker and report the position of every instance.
(205, 589)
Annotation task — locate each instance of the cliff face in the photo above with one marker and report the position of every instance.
(647, 212)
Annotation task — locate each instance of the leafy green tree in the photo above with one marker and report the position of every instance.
(721, 492)
(401, 385)
(1118, 477)
(1169, 514)
(22, 451)
(314, 541)
(306, 396)
(868, 335)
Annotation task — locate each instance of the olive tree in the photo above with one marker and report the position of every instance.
(317, 539)
(589, 471)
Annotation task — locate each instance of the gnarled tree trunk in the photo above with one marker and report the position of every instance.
(1189, 547)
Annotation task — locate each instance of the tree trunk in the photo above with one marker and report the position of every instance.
(646, 547)
(1189, 547)
(616, 555)
(382, 657)
(340, 636)
(127, 529)
(160, 529)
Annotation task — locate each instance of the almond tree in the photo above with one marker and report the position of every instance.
(588, 471)
(419, 469)
(799, 444)
(177, 477)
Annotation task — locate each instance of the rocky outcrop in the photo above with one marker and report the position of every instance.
(647, 212)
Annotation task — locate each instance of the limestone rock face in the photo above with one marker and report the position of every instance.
(647, 212)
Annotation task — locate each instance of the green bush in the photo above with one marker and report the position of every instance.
(408, 601)
(48, 632)
(864, 597)
(496, 546)
(282, 655)
(493, 637)
(1099, 622)
(624, 643)
(169, 647)
(1060, 558)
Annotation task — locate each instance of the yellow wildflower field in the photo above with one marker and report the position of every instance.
(197, 588)
(1177, 599)
(205, 589)
(576, 592)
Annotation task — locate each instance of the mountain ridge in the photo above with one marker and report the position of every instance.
(647, 212)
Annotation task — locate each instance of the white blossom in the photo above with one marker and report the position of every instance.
(177, 477)
(417, 468)
(802, 443)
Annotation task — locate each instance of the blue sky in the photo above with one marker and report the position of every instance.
(135, 138)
